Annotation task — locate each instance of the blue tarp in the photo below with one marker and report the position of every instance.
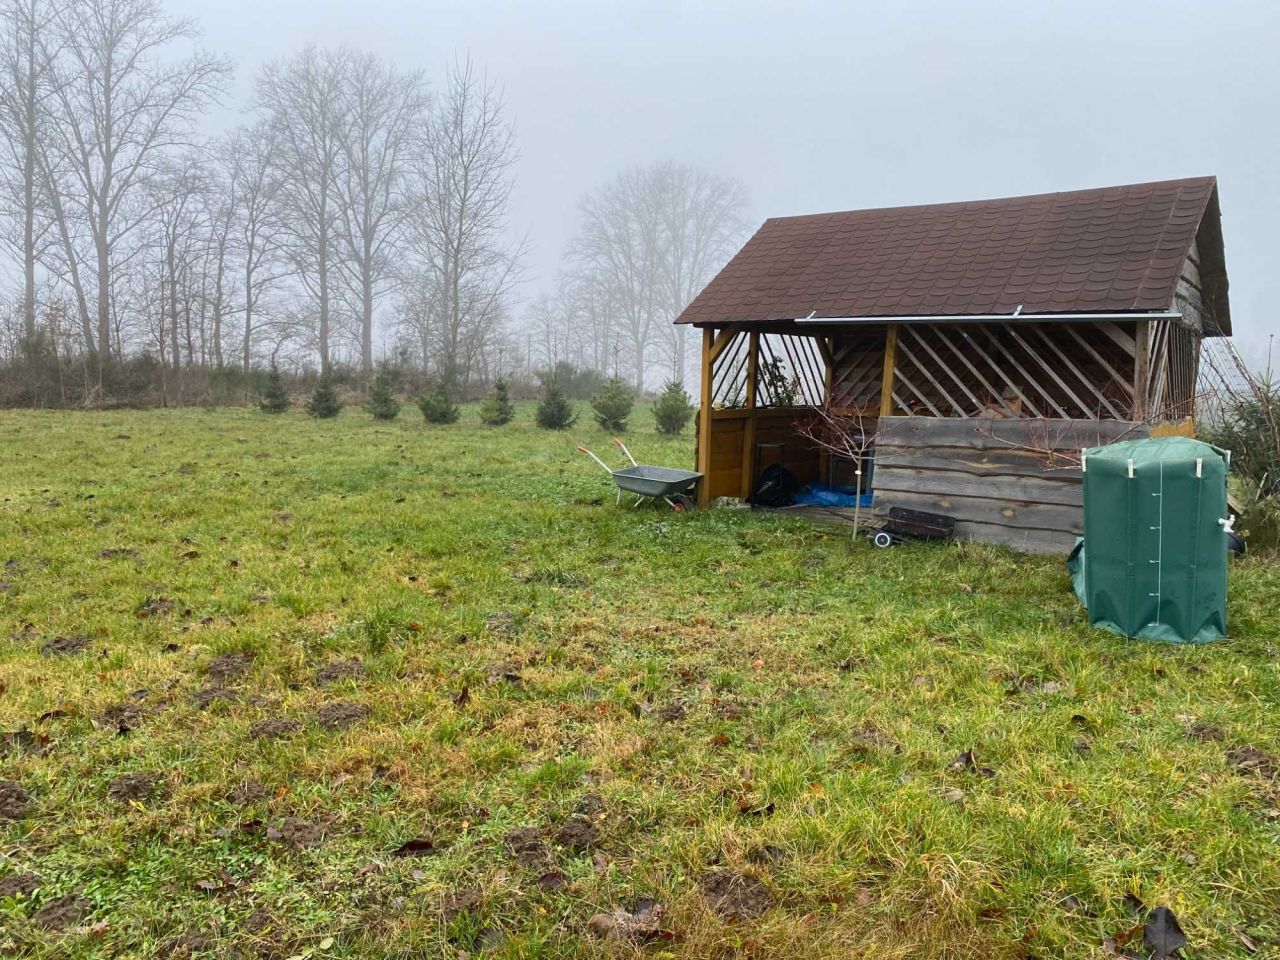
(820, 495)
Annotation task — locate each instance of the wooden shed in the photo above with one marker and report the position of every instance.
(983, 342)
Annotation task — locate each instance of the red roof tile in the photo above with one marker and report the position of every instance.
(1112, 250)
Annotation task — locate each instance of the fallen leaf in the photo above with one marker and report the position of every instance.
(1162, 935)
(417, 847)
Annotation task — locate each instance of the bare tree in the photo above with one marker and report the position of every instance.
(24, 90)
(302, 97)
(650, 239)
(251, 186)
(121, 102)
(462, 181)
(380, 111)
(845, 433)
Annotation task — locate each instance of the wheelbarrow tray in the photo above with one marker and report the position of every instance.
(655, 481)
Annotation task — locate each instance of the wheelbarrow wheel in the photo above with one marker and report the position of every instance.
(882, 539)
(681, 503)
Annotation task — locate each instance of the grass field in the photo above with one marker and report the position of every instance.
(278, 687)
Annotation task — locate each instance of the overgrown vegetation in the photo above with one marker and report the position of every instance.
(497, 408)
(555, 411)
(325, 402)
(612, 406)
(348, 689)
(673, 409)
(437, 408)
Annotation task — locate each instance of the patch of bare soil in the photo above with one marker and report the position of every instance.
(111, 553)
(14, 800)
(23, 741)
(246, 792)
(460, 901)
(19, 885)
(735, 896)
(577, 834)
(154, 607)
(1206, 732)
(529, 848)
(227, 667)
(61, 913)
(121, 716)
(297, 832)
(336, 715)
(274, 728)
(340, 671)
(641, 923)
(64, 646)
(132, 787)
(1249, 760)
(552, 880)
(207, 696)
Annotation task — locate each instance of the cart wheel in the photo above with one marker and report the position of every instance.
(681, 504)
(882, 540)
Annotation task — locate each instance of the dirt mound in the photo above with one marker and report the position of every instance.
(19, 885)
(246, 792)
(64, 646)
(229, 666)
(297, 832)
(132, 787)
(735, 896)
(207, 696)
(577, 834)
(529, 848)
(339, 671)
(274, 728)
(336, 715)
(14, 800)
(61, 913)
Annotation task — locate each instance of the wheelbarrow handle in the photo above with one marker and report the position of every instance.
(607, 468)
(626, 451)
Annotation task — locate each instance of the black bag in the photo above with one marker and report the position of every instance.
(776, 487)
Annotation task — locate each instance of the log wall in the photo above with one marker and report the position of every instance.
(1010, 482)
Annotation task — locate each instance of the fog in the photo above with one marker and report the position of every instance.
(825, 106)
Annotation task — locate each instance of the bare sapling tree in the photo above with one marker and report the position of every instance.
(380, 112)
(302, 97)
(847, 433)
(121, 101)
(460, 198)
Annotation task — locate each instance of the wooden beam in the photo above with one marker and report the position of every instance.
(749, 428)
(722, 340)
(1141, 369)
(886, 382)
(704, 421)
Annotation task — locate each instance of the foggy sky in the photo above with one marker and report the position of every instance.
(821, 106)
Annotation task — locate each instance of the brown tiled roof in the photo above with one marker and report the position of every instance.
(1115, 249)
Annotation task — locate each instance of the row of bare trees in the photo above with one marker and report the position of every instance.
(353, 192)
(648, 242)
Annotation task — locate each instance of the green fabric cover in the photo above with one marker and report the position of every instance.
(1153, 561)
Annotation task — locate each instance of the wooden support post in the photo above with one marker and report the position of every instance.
(704, 421)
(1141, 369)
(890, 359)
(749, 427)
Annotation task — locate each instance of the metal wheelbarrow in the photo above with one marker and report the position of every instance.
(650, 483)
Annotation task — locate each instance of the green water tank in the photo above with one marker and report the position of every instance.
(1153, 561)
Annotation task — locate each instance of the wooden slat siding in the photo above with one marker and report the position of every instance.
(982, 472)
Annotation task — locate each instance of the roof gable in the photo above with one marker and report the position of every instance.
(1109, 250)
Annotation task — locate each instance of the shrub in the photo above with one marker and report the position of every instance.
(613, 406)
(382, 399)
(555, 412)
(497, 408)
(673, 409)
(274, 397)
(436, 407)
(324, 400)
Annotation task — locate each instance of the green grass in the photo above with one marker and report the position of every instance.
(712, 691)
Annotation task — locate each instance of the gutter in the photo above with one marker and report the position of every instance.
(987, 317)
